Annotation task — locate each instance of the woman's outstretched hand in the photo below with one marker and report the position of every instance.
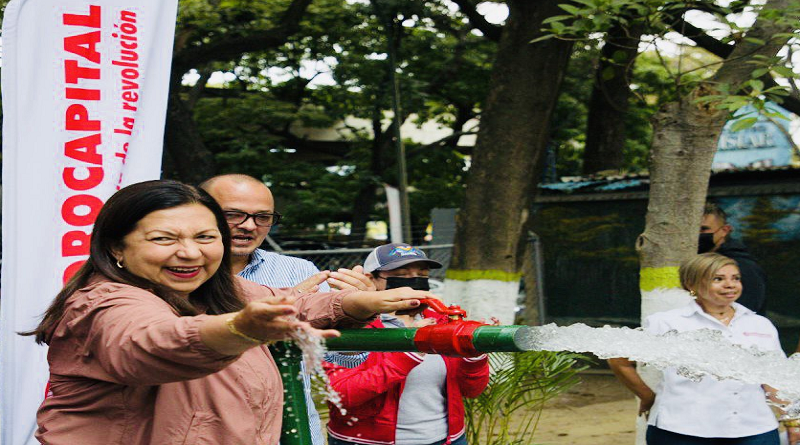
(260, 321)
(363, 305)
(271, 319)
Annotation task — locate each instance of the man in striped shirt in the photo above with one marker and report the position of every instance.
(250, 211)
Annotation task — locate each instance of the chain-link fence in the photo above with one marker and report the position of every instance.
(348, 258)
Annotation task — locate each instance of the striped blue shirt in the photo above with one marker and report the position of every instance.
(274, 270)
(346, 360)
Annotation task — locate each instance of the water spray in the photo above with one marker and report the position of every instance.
(693, 354)
(456, 337)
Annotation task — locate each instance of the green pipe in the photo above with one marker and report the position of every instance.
(485, 339)
(508, 338)
(295, 429)
(357, 340)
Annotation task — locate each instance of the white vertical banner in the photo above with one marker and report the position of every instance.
(395, 215)
(84, 87)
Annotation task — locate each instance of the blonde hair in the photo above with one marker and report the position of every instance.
(696, 272)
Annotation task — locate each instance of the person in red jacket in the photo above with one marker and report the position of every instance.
(403, 398)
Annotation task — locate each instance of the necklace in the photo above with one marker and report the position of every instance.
(724, 319)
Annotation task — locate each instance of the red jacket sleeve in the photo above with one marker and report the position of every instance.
(472, 372)
(380, 373)
(473, 375)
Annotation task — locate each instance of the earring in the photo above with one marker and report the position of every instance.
(120, 265)
(691, 292)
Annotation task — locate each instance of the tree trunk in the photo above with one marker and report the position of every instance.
(684, 143)
(186, 158)
(484, 273)
(366, 198)
(608, 106)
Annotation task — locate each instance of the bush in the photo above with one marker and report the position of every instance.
(508, 411)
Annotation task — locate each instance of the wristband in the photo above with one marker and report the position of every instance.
(232, 329)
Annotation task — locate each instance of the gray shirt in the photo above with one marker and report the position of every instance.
(422, 411)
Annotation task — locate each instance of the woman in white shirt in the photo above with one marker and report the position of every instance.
(683, 412)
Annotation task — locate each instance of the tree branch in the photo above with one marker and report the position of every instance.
(492, 32)
(236, 46)
(197, 90)
(703, 40)
(723, 51)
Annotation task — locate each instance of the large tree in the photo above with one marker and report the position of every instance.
(259, 122)
(607, 120)
(608, 107)
(686, 130)
(210, 32)
(686, 133)
(685, 141)
(485, 269)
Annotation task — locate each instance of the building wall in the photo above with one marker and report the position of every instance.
(591, 268)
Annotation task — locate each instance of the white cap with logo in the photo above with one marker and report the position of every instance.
(396, 255)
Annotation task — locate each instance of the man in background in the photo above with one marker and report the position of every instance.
(715, 236)
(250, 211)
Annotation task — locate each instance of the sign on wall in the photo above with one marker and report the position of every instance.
(765, 144)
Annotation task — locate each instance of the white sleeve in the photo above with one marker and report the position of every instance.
(656, 324)
(777, 339)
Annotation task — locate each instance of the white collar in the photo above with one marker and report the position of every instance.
(694, 308)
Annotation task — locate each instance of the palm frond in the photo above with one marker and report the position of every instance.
(519, 385)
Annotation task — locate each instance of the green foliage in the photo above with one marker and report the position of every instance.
(589, 21)
(754, 95)
(519, 386)
(653, 84)
(443, 71)
(309, 194)
(437, 179)
(752, 92)
(205, 21)
(568, 130)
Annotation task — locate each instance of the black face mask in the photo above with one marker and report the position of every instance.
(705, 243)
(416, 283)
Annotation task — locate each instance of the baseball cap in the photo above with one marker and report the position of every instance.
(396, 255)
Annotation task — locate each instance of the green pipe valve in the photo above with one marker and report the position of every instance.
(483, 338)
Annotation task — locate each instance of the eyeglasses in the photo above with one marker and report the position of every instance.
(261, 219)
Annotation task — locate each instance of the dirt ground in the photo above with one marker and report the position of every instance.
(598, 411)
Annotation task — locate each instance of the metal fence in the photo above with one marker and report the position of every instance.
(348, 258)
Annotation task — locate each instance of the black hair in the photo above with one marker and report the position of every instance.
(711, 208)
(119, 217)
